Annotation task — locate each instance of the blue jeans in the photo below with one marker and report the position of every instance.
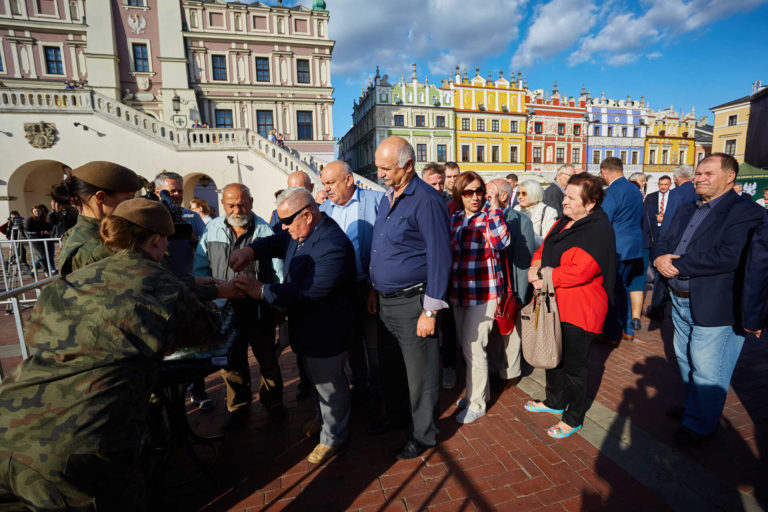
(618, 320)
(706, 357)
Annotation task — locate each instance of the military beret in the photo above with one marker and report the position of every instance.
(148, 214)
(108, 176)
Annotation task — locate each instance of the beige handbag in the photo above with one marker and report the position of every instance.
(540, 326)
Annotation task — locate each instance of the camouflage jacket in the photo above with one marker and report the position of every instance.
(96, 340)
(81, 246)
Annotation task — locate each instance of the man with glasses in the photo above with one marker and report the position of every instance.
(319, 269)
(554, 194)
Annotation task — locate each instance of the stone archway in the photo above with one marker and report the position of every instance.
(31, 184)
(202, 186)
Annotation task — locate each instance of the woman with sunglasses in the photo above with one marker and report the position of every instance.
(530, 196)
(478, 237)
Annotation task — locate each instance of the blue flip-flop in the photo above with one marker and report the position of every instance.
(556, 433)
(531, 406)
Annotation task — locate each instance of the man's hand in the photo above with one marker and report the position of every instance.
(757, 333)
(492, 195)
(228, 290)
(249, 285)
(425, 326)
(207, 281)
(664, 264)
(240, 258)
(532, 273)
(659, 217)
(372, 304)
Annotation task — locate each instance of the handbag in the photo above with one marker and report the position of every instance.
(507, 307)
(540, 331)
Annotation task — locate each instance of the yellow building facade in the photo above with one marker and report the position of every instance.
(490, 124)
(670, 141)
(729, 133)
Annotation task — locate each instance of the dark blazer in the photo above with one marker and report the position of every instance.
(651, 229)
(684, 194)
(715, 258)
(623, 204)
(553, 197)
(755, 296)
(317, 289)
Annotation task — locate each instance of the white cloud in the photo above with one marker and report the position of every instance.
(653, 55)
(627, 35)
(396, 33)
(556, 26)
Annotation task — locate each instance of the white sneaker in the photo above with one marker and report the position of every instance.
(449, 378)
(468, 415)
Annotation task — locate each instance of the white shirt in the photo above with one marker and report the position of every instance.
(665, 195)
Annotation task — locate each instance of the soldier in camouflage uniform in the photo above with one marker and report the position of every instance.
(96, 188)
(73, 415)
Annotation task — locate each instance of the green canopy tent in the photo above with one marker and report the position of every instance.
(753, 179)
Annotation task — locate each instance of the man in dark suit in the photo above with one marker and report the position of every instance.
(623, 204)
(701, 256)
(654, 206)
(553, 195)
(319, 279)
(755, 297)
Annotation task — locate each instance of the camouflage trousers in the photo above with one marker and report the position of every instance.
(87, 483)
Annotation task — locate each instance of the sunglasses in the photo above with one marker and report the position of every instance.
(287, 221)
(522, 194)
(469, 192)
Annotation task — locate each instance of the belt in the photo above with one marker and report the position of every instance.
(411, 291)
(678, 293)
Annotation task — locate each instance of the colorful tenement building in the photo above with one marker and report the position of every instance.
(729, 134)
(670, 141)
(490, 123)
(557, 130)
(616, 129)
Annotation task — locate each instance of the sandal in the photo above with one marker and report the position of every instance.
(557, 433)
(531, 406)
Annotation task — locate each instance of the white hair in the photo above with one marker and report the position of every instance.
(534, 190)
(405, 153)
(683, 172)
(563, 168)
(295, 195)
(505, 188)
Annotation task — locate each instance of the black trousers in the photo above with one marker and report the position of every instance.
(567, 383)
(447, 325)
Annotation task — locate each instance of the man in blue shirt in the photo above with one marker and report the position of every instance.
(410, 271)
(354, 209)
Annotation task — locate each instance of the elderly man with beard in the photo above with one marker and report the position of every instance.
(254, 319)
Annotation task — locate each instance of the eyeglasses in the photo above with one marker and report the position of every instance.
(287, 221)
(469, 192)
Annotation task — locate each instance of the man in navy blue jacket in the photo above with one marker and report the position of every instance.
(701, 256)
(318, 286)
(755, 298)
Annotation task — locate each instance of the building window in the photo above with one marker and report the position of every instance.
(399, 120)
(730, 147)
(608, 153)
(2, 66)
(440, 121)
(494, 125)
(302, 71)
(304, 122)
(513, 126)
(637, 132)
(465, 125)
(652, 156)
(421, 152)
(442, 153)
(560, 155)
(575, 155)
(219, 63)
(732, 120)
(681, 161)
(420, 121)
(136, 3)
(513, 154)
(224, 118)
(465, 153)
(596, 156)
(577, 130)
(596, 131)
(634, 157)
(699, 157)
(53, 63)
(538, 128)
(610, 131)
(264, 123)
(140, 58)
(495, 154)
(664, 156)
(537, 155)
(623, 131)
(481, 153)
(623, 156)
(561, 129)
(481, 125)
(262, 69)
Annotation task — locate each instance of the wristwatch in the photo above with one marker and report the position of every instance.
(538, 273)
(429, 314)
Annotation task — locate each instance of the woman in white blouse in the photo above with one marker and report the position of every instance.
(530, 195)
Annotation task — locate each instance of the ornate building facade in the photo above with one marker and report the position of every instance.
(616, 129)
(729, 134)
(557, 127)
(670, 141)
(490, 123)
(420, 112)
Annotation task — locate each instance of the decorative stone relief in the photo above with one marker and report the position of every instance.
(40, 135)
(323, 75)
(142, 82)
(137, 23)
(24, 57)
(283, 71)
(240, 69)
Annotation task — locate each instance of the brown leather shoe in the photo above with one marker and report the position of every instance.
(311, 428)
(322, 453)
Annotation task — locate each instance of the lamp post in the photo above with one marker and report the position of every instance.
(176, 102)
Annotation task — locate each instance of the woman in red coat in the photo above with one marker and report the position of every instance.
(580, 248)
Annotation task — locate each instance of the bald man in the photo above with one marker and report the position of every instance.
(295, 179)
(354, 209)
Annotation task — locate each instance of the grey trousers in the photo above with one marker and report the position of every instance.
(422, 364)
(331, 396)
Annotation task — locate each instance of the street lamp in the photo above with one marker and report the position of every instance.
(176, 102)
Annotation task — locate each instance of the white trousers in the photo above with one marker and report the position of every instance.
(474, 324)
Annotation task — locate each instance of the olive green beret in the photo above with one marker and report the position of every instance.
(148, 214)
(108, 176)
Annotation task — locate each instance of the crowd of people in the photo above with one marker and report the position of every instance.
(374, 292)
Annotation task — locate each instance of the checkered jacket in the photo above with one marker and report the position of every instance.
(477, 244)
